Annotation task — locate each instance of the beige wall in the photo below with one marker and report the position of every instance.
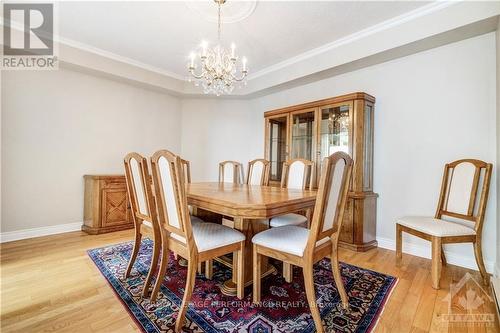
(218, 130)
(58, 126)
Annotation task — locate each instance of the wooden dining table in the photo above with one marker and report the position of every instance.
(250, 207)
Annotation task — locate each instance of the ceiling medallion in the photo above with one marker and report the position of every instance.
(219, 69)
(234, 11)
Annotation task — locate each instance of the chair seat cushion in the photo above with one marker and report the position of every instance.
(209, 236)
(290, 239)
(435, 227)
(288, 219)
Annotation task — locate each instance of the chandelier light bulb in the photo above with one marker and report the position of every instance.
(244, 61)
(204, 46)
(192, 56)
(233, 51)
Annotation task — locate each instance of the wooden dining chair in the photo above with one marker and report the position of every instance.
(196, 242)
(258, 172)
(230, 172)
(297, 174)
(303, 247)
(143, 209)
(459, 216)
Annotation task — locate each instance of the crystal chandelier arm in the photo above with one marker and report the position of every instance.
(197, 76)
(239, 79)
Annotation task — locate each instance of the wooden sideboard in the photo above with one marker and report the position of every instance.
(313, 131)
(106, 204)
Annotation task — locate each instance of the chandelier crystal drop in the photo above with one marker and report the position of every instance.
(220, 69)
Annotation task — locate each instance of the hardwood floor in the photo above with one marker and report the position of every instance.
(49, 284)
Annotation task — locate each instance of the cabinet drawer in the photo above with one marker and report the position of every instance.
(114, 183)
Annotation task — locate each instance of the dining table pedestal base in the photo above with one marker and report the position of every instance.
(249, 227)
(229, 287)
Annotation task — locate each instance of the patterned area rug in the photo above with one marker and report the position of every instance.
(283, 309)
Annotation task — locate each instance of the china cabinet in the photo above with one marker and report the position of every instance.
(316, 130)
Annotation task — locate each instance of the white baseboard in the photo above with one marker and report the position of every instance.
(425, 252)
(10, 236)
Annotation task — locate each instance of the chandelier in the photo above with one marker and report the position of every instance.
(219, 69)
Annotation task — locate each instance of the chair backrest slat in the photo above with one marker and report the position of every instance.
(186, 169)
(230, 172)
(297, 174)
(258, 172)
(331, 198)
(464, 190)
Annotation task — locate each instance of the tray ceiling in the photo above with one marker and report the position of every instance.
(161, 34)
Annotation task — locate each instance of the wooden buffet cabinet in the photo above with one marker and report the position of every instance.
(317, 129)
(106, 204)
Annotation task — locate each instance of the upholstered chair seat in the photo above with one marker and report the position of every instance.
(208, 236)
(289, 219)
(436, 227)
(289, 239)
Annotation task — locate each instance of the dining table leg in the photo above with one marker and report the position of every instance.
(249, 227)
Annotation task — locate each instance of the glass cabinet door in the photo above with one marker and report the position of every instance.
(335, 130)
(277, 145)
(302, 134)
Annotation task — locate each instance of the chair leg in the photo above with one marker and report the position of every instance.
(154, 264)
(163, 269)
(240, 292)
(399, 241)
(135, 250)
(436, 262)
(200, 268)
(478, 253)
(311, 297)
(288, 272)
(256, 275)
(188, 291)
(443, 256)
(338, 279)
(209, 269)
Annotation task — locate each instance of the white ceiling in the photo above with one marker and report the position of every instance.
(162, 34)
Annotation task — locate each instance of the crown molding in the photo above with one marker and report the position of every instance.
(429, 26)
(393, 22)
(116, 57)
(425, 10)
